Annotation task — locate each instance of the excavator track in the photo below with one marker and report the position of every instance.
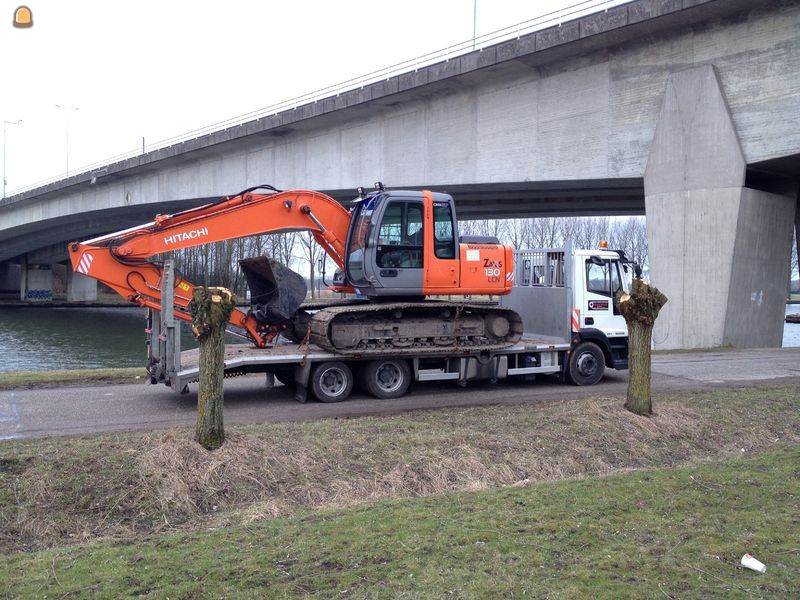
(413, 328)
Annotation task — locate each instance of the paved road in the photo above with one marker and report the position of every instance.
(76, 410)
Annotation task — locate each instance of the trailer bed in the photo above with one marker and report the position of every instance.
(241, 359)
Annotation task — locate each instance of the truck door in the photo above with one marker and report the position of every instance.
(599, 308)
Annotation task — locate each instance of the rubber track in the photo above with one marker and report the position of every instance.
(322, 321)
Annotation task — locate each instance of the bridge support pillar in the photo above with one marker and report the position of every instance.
(80, 288)
(718, 250)
(9, 277)
(36, 282)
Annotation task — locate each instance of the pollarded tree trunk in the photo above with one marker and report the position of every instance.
(640, 309)
(210, 309)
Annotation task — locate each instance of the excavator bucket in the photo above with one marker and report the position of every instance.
(276, 292)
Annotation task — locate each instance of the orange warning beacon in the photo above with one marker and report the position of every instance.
(23, 17)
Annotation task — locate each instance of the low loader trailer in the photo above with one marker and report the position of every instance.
(571, 322)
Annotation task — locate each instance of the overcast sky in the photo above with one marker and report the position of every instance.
(158, 69)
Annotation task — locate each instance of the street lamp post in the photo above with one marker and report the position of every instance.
(5, 181)
(67, 110)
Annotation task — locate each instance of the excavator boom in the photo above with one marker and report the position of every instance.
(122, 260)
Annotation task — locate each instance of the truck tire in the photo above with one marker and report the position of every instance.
(386, 378)
(331, 381)
(586, 364)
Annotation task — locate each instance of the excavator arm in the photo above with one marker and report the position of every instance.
(122, 260)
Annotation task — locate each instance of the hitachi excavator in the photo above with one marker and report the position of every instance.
(394, 248)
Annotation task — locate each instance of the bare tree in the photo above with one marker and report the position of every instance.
(486, 227)
(585, 232)
(640, 309)
(546, 232)
(282, 246)
(630, 234)
(210, 309)
(310, 253)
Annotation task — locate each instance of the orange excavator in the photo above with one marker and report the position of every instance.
(393, 249)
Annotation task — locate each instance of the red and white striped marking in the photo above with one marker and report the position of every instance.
(576, 320)
(510, 276)
(84, 263)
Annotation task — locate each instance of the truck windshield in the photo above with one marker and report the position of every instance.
(357, 244)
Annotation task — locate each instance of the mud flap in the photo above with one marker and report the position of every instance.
(276, 292)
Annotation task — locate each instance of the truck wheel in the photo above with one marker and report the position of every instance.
(387, 378)
(586, 364)
(332, 381)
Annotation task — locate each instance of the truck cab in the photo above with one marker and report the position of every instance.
(570, 295)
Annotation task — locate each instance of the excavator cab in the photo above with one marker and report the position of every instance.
(399, 241)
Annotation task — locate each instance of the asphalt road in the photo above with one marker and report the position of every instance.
(78, 410)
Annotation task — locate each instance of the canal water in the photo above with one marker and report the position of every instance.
(42, 339)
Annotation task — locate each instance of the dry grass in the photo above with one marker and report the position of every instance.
(58, 491)
(49, 379)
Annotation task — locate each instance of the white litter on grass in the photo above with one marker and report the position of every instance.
(753, 563)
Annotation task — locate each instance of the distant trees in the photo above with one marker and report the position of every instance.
(622, 233)
(217, 264)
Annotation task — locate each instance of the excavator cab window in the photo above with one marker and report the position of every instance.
(359, 234)
(443, 236)
(400, 240)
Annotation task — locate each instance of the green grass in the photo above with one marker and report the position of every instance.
(68, 490)
(670, 533)
(22, 379)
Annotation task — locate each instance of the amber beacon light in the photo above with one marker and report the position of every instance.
(23, 17)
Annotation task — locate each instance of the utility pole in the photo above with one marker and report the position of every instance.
(17, 122)
(67, 110)
(474, 22)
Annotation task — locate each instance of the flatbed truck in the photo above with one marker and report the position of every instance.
(566, 298)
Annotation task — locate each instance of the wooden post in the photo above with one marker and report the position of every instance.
(210, 309)
(640, 309)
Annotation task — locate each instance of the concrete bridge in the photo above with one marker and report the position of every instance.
(684, 109)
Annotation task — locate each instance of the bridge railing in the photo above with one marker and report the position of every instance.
(551, 19)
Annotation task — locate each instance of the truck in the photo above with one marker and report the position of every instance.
(400, 263)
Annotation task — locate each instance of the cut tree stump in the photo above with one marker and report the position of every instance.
(210, 309)
(640, 309)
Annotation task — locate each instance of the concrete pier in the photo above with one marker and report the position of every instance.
(36, 283)
(80, 288)
(719, 250)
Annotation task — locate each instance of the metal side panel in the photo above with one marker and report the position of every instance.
(544, 310)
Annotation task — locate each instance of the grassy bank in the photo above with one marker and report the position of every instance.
(69, 490)
(43, 379)
(671, 533)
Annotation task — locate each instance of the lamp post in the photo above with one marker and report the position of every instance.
(474, 22)
(17, 122)
(67, 110)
